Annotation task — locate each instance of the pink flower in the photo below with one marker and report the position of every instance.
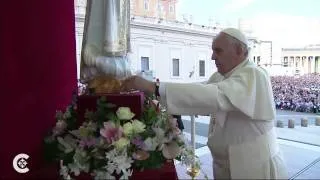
(171, 150)
(88, 142)
(173, 123)
(110, 132)
(155, 104)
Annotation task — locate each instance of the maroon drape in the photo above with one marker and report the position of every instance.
(37, 75)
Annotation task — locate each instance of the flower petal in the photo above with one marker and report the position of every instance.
(171, 150)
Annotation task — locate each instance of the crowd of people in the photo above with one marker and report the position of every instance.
(297, 93)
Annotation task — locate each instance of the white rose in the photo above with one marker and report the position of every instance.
(134, 127)
(122, 143)
(138, 126)
(124, 113)
(127, 129)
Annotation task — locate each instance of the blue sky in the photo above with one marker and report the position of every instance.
(288, 23)
(233, 9)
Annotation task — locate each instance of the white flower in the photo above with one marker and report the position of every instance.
(61, 125)
(134, 127)
(66, 146)
(182, 138)
(67, 114)
(138, 126)
(188, 158)
(118, 161)
(74, 169)
(92, 126)
(111, 167)
(64, 171)
(128, 129)
(172, 122)
(160, 137)
(159, 133)
(126, 174)
(123, 163)
(124, 113)
(103, 175)
(150, 144)
(75, 133)
(122, 143)
(171, 150)
(111, 154)
(156, 102)
(80, 159)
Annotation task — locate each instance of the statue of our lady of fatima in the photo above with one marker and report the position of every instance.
(105, 45)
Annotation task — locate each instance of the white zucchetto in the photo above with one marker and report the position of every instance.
(236, 34)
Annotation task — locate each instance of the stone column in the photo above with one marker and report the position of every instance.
(304, 64)
(309, 64)
(293, 66)
(304, 122)
(317, 123)
(313, 62)
(280, 124)
(290, 123)
(317, 66)
(297, 64)
(291, 61)
(301, 66)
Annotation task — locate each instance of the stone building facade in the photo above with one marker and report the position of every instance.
(299, 61)
(166, 48)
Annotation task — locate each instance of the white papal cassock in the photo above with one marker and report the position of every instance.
(241, 136)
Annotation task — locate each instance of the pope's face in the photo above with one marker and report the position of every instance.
(223, 53)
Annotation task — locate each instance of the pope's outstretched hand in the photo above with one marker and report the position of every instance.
(137, 83)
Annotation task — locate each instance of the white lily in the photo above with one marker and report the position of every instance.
(150, 144)
(67, 147)
(103, 175)
(74, 168)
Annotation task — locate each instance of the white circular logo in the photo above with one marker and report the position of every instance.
(20, 163)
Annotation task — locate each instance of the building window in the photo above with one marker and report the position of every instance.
(175, 67)
(202, 68)
(146, 5)
(291, 61)
(144, 63)
(285, 62)
(171, 8)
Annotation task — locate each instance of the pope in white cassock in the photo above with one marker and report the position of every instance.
(242, 137)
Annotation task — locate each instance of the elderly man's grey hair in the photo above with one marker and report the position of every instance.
(237, 42)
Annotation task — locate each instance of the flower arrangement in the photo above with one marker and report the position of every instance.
(109, 145)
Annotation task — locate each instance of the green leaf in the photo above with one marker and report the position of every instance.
(72, 121)
(67, 157)
(98, 163)
(51, 150)
(110, 105)
(89, 115)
